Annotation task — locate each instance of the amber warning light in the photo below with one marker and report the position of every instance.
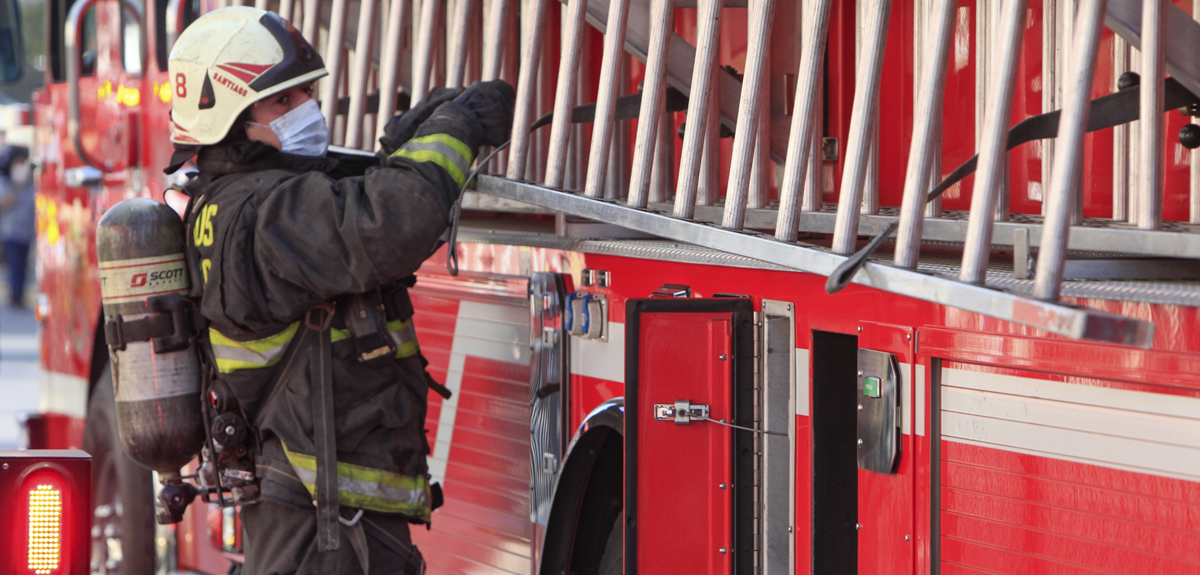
(45, 512)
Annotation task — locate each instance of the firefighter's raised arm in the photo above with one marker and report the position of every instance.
(330, 237)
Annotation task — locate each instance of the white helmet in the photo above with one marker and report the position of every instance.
(229, 59)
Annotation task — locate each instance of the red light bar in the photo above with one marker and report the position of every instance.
(45, 525)
(45, 512)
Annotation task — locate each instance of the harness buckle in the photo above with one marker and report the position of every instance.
(324, 325)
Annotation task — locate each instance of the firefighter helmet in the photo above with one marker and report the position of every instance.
(229, 59)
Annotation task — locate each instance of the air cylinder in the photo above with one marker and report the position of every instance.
(140, 245)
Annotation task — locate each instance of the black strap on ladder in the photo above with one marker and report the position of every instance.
(1118, 108)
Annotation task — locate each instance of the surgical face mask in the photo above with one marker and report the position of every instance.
(302, 131)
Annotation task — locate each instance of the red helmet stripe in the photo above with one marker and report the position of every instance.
(246, 77)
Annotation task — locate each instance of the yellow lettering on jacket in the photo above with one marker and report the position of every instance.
(203, 234)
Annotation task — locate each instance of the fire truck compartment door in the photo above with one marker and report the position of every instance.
(684, 503)
(886, 470)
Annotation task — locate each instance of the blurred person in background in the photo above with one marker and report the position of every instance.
(17, 227)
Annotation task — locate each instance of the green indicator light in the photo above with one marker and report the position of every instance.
(870, 386)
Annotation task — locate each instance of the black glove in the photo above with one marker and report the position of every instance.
(402, 127)
(492, 104)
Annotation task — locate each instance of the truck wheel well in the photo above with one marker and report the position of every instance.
(587, 500)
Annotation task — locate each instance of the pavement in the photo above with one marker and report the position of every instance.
(19, 370)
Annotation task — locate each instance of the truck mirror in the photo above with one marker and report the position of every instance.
(11, 53)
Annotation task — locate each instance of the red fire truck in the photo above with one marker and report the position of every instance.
(653, 368)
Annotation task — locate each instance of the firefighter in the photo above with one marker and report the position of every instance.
(302, 278)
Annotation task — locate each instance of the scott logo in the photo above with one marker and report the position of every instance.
(156, 278)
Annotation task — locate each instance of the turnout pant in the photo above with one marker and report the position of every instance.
(282, 540)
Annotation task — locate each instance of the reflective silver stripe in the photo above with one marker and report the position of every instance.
(405, 334)
(366, 488)
(243, 354)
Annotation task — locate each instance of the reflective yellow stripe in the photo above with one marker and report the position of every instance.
(369, 488)
(405, 336)
(233, 355)
(402, 333)
(448, 152)
(438, 158)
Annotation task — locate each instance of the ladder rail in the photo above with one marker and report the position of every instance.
(1064, 319)
(606, 101)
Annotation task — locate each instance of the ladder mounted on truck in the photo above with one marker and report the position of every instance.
(1036, 305)
(542, 169)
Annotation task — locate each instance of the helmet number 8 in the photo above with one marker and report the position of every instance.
(180, 85)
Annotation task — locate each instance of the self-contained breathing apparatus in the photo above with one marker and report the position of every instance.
(172, 402)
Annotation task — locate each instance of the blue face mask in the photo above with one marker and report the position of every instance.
(302, 131)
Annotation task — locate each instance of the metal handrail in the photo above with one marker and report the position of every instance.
(73, 38)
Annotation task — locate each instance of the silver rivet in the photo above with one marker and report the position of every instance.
(908, 337)
(722, 357)
(789, 308)
(230, 430)
(722, 550)
(860, 407)
(906, 537)
(789, 528)
(860, 373)
(860, 442)
(722, 486)
(857, 526)
(6, 466)
(860, 329)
